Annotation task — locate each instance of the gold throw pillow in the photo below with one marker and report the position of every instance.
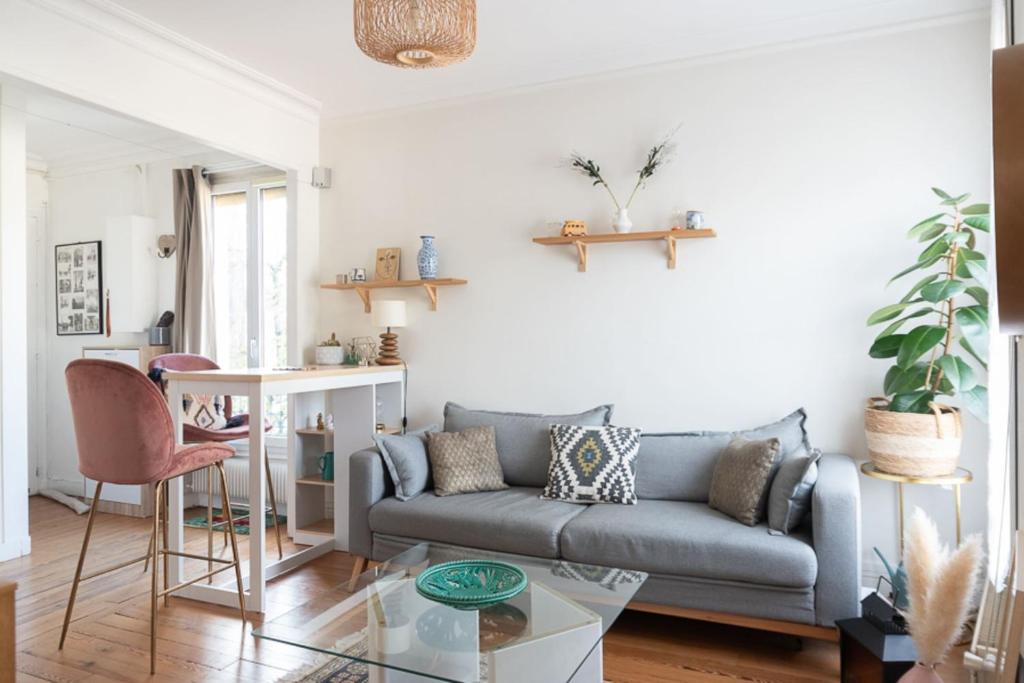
(741, 478)
(465, 462)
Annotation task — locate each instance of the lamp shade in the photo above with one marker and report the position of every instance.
(389, 313)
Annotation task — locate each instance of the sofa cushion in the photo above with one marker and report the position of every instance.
(464, 462)
(739, 484)
(523, 440)
(405, 456)
(593, 464)
(678, 538)
(678, 466)
(513, 521)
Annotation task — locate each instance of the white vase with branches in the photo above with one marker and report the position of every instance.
(657, 157)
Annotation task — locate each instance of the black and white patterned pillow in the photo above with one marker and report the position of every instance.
(593, 464)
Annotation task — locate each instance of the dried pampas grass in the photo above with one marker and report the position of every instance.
(941, 585)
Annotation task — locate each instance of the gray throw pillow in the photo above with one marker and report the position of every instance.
(464, 462)
(593, 464)
(523, 439)
(790, 496)
(405, 456)
(678, 466)
(740, 481)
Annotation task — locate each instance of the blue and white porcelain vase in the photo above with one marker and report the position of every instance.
(426, 259)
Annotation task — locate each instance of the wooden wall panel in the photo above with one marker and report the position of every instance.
(1008, 152)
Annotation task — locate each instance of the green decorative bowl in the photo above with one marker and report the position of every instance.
(471, 584)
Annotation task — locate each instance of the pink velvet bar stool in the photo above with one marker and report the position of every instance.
(188, 362)
(125, 435)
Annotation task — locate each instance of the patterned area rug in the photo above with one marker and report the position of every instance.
(241, 518)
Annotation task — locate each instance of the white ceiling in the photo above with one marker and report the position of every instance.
(308, 45)
(66, 135)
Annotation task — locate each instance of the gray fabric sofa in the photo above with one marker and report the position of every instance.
(699, 560)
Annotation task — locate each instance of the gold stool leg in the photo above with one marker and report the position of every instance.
(154, 589)
(209, 521)
(273, 503)
(149, 548)
(81, 563)
(167, 558)
(234, 543)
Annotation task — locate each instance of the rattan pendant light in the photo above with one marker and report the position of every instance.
(416, 33)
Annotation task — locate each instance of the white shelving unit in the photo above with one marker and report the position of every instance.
(318, 508)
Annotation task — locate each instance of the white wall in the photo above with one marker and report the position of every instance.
(811, 163)
(79, 207)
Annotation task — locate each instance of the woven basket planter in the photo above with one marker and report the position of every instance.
(913, 444)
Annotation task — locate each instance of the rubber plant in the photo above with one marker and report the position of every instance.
(949, 305)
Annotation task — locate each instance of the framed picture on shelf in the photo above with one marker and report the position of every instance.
(79, 273)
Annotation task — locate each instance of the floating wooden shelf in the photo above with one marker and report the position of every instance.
(669, 236)
(429, 286)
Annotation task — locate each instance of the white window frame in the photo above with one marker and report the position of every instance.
(276, 445)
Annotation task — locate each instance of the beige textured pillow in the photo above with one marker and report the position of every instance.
(741, 478)
(464, 462)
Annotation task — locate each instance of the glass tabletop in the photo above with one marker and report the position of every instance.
(545, 633)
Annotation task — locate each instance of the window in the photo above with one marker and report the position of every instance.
(250, 225)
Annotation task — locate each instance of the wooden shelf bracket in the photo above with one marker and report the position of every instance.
(581, 252)
(670, 242)
(364, 294)
(431, 291)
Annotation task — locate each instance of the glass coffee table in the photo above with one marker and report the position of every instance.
(551, 632)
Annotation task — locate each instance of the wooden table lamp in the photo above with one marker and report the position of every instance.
(388, 314)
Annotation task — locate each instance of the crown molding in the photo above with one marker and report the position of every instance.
(659, 67)
(137, 31)
(79, 165)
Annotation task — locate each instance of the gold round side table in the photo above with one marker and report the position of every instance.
(959, 477)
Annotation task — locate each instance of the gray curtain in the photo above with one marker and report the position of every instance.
(193, 330)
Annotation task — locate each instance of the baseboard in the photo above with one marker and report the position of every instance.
(15, 548)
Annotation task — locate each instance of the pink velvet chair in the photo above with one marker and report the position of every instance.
(125, 435)
(187, 362)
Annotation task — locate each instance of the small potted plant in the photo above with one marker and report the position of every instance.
(329, 352)
(909, 430)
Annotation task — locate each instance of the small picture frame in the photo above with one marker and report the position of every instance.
(79, 286)
(388, 261)
(359, 275)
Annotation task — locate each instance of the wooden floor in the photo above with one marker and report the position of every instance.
(109, 638)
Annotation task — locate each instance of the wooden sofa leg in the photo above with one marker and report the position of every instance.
(358, 567)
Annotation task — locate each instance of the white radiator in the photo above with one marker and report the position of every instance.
(237, 471)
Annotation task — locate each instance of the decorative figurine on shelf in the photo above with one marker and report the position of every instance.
(330, 422)
(320, 422)
(426, 259)
(574, 229)
(365, 350)
(694, 220)
(359, 275)
(388, 260)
